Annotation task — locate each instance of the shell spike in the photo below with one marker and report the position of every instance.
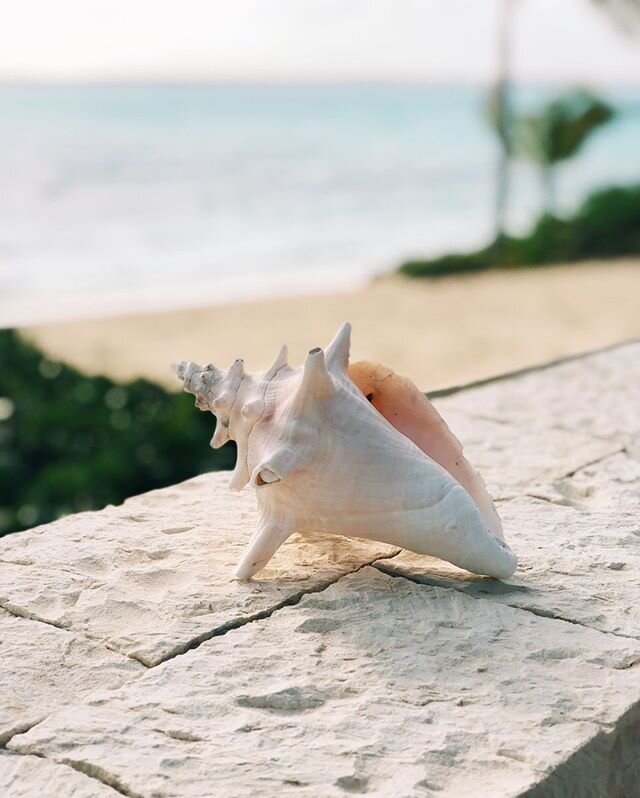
(224, 402)
(337, 353)
(270, 535)
(240, 476)
(316, 382)
(220, 436)
(236, 370)
(279, 362)
(213, 375)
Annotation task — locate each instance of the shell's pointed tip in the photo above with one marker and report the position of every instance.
(236, 370)
(338, 350)
(179, 367)
(283, 355)
(316, 381)
(280, 361)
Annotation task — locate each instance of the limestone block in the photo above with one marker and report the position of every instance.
(33, 777)
(578, 546)
(369, 683)
(598, 395)
(43, 668)
(527, 430)
(154, 576)
(515, 459)
(376, 685)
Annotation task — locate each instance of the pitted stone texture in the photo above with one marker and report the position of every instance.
(155, 575)
(578, 546)
(528, 430)
(43, 668)
(375, 686)
(597, 395)
(33, 777)
(513, 460)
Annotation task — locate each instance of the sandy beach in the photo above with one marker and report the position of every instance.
(438, 333)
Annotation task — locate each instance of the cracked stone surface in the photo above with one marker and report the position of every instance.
(326, 677)
(33, 777)
(595, 396)
(539, 427)
(514, 459)
(579, 550)
(375, 685)
(153, 576)
(43, 668)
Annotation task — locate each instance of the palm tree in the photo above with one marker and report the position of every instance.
(625, 13)
(558, 131)
(500, 116)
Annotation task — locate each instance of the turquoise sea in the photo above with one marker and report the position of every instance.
(142, 196)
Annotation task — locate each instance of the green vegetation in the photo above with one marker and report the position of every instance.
(606, 225)
(69, 442)
(554, 133)
(557, 132)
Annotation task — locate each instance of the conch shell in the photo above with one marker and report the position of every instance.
(357, 451)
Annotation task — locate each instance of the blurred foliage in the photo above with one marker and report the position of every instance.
(561, 127)
(70, 442)
(558, 131)
(606, 225)
(554, 133)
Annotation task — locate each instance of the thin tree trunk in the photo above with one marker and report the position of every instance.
(503, 119)
(549, 188)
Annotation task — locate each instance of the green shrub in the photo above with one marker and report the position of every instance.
(70, 442)
(607, 224)
(447, 264)
(550, 241)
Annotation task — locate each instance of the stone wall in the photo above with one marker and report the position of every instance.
(132, 664)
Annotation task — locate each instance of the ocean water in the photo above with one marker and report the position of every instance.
(128, 197)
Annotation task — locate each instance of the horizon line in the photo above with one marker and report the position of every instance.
(274, 82)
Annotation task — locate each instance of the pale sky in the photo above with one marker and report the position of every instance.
(295, 40)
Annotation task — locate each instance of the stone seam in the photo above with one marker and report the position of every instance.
(534, 611)
(107, 779)
(507, 375)
(568, 475)
(97, 774)
(18, 612)
(291, 601)
(112, 782)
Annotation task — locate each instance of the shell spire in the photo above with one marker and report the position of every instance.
(179, 367)
(214, 390)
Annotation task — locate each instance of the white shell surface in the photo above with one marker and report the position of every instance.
(322, 459)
